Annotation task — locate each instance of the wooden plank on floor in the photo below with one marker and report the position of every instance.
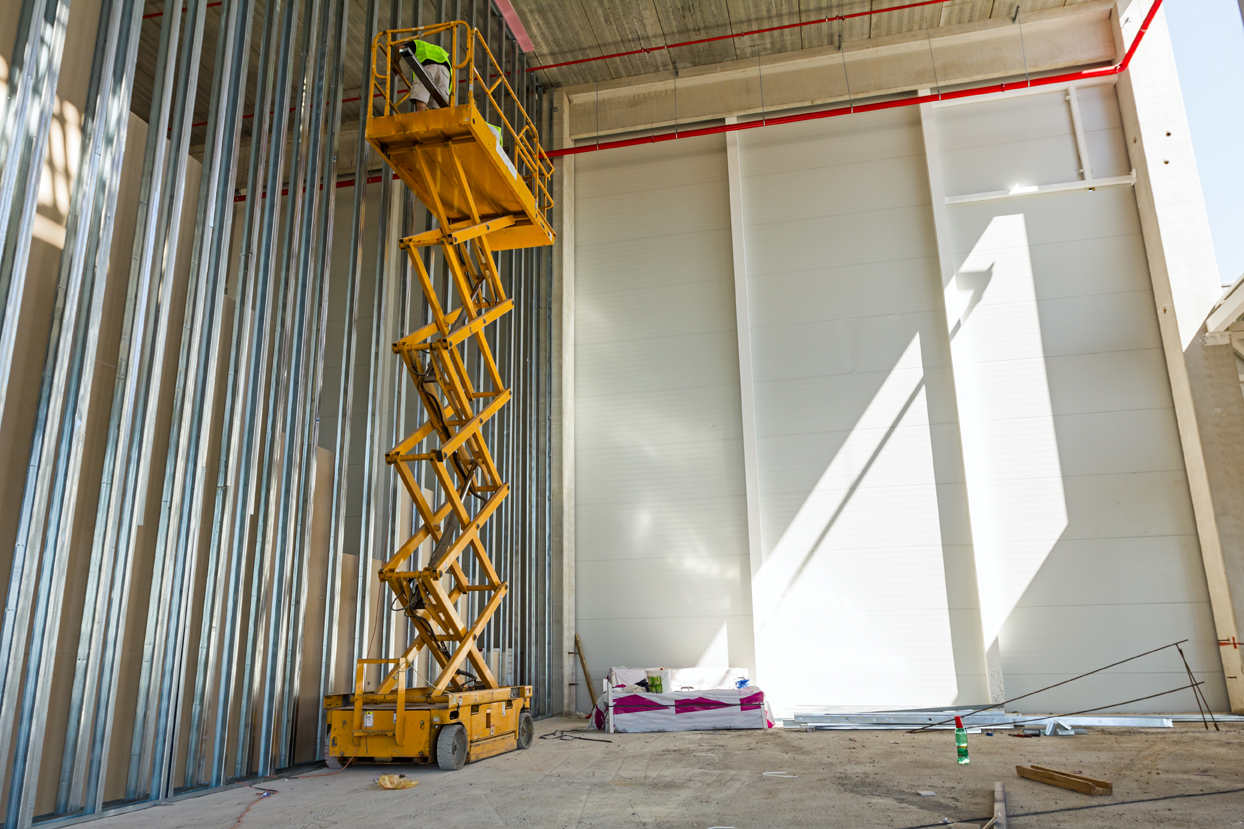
(1073, 782)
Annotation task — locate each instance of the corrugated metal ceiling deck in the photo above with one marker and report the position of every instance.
(564, 30)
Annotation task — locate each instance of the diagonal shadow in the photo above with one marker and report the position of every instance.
(855, 484)
(977, 282)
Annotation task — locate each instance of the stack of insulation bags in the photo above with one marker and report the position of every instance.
(680, 699)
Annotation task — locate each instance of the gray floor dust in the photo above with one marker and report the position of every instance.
(1182, 777)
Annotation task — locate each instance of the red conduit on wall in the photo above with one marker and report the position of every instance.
(904, 102)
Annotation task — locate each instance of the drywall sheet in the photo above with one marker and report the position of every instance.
(662, 574)
(865, 595)
(1083, 527)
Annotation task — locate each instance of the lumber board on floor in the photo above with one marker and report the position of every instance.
(1073, 782)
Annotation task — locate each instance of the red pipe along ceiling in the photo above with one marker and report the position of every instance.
(1116, 69)
(816, 22)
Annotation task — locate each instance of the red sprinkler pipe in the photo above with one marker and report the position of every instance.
(1116, 69)
(816, 22)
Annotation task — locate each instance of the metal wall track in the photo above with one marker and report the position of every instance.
(224, 578)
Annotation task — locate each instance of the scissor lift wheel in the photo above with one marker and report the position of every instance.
(451, 747)
(526, 730)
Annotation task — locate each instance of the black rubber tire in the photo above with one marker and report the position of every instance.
(451, 747)
(526, 729)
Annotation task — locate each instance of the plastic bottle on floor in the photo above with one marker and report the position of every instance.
(961, 741)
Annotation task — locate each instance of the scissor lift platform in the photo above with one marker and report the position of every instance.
(487, 186)
(451, 156)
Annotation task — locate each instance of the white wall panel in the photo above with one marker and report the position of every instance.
(1112, 260)
(1082, 523)
(662, 573)
(1005, 121)
(981, 169)
(1033, 387)
(858, 456)
(861, 345)
(659, 362)
(676, 415)
(1103, 131)
(878, 236)
(845, 292)
(657, 263)
(703, 527)
(1107, 381)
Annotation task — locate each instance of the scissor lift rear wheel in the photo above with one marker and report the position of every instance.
(451, 747)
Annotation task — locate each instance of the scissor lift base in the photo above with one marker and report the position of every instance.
(490, 717)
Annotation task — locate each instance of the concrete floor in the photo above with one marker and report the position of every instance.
(715, 779)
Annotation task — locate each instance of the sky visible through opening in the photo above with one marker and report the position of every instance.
(1208, 39)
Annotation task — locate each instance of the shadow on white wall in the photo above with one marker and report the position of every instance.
(852, 607)
(1010, 450)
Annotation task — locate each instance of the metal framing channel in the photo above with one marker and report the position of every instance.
(345, 394)
(213, 579)
(232, 510)
(107, 114)
(148, 723)
(71, 342)
(224, 128)
(267, 354)
(24, 122)
(23, 128)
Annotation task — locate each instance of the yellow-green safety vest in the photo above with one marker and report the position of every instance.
(430, 53)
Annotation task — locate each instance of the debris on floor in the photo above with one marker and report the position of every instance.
(395, 781)
(974, 721)
(995, 715)
(1066, 780)
(998, 821)
(999, 807)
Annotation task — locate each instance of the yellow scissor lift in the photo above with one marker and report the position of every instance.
(484, 199)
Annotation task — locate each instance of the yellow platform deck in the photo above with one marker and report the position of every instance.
(452, 158)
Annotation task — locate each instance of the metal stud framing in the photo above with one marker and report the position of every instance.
(202, 549)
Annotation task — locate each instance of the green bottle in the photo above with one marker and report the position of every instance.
(961, 742)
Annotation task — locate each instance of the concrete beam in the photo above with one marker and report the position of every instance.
(990, 650)
(1073, 36)
(747, 393)
(1209, 409)
(747, 384)
(1228, 310)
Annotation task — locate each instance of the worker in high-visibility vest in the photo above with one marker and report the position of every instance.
(436, 65)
